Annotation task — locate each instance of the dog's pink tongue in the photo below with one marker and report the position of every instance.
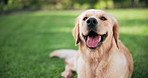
(93, 41)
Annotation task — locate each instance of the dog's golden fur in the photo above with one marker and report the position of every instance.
(110, 60)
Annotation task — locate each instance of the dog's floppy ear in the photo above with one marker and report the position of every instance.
(76, 31)
(116, 32)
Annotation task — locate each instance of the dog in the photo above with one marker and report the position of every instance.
(101, 54)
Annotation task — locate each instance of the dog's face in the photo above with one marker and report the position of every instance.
(95, 28)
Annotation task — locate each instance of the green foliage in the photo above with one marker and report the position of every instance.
(26, 39)
(11, 5)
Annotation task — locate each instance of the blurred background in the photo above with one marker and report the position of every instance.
(11, 5)
(31, 29)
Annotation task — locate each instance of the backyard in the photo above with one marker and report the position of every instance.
(27, 38)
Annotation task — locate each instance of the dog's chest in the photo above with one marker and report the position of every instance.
(116, 67)
(112, 67)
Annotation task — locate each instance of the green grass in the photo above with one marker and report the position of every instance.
(26, 39)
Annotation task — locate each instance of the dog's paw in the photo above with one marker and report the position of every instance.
(67, 74)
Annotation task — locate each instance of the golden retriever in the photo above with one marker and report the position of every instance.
(100, 54)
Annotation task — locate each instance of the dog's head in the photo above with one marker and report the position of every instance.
(94, 28)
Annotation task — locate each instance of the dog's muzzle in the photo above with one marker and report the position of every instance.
(94, 40)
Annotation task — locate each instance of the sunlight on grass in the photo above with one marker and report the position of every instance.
(136, 30)
(59, 13)
(129, 13)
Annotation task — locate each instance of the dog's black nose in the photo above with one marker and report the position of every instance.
(91, 22)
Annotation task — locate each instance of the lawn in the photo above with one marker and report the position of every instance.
(27, 38)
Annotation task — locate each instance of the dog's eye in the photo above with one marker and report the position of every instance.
(85, 18)
(103, 18)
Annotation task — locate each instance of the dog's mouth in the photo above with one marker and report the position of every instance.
(94, 40)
